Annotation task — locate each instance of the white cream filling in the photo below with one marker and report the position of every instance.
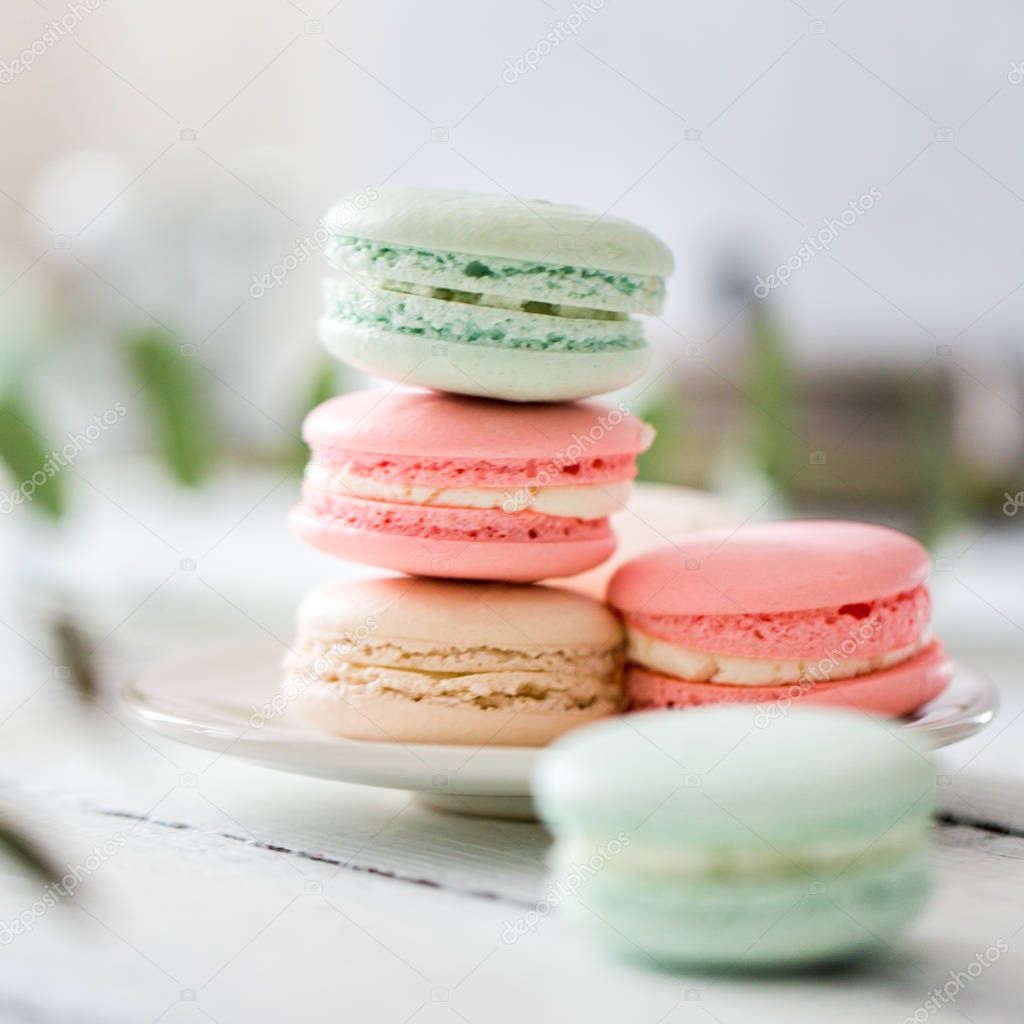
(586, 501)
(763, 859)
(707, 667)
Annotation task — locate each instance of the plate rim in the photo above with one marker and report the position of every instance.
(498, 771)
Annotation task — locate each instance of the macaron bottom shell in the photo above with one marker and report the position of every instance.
(511, 375)
(750, 922)
(893, 692)
(512, 561)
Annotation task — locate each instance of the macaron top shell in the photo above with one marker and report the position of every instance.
(770, 567)
(500, 225)
(723, 777)
(494, 615)
(433, 424)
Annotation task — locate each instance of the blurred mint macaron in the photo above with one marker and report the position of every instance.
(724, 837)
(489, 295)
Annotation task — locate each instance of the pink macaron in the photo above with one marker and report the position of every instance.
(444, 485)
(824, 612)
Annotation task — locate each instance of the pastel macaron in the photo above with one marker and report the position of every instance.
(439, 661)
(713, 840)
(444, 485)
(832, 613)
(491, 295)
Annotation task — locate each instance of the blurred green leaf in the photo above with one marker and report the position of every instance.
(73, 651)
(663, 461)
(26, 853)
(328, 380)
(772, 390)
(325, 385)
(939, 499)
(174, 391)
(22, 449)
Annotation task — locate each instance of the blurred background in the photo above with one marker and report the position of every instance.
(841, 184)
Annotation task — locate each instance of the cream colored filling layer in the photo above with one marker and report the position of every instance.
(587, 501)
(508, 678)
(705, 667)
(764, 859)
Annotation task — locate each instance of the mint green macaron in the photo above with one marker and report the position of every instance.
(490, 295)
(715, 839)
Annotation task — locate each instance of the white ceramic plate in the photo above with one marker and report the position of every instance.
(207, 700)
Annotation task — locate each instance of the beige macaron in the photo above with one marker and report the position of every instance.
(417, 660)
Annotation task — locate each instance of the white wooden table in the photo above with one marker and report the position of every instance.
(236, 894)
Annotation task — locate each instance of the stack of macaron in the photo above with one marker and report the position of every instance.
(484, 468)
(481, 465)
(485, 465)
